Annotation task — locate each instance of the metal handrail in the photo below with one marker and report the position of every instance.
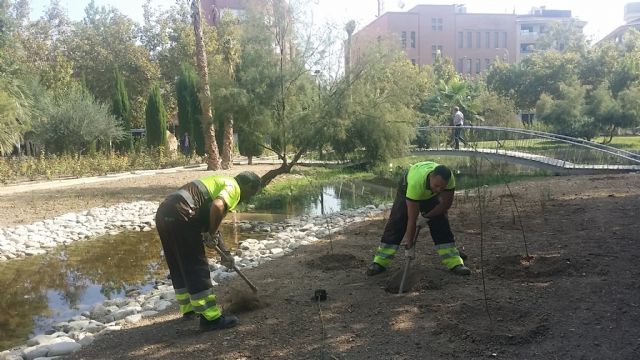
(600, 148)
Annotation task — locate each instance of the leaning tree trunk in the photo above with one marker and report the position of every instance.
(227, 146)
(283, 169)
(210, 145)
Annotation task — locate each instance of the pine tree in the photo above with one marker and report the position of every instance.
(156, 119)
(122, 110)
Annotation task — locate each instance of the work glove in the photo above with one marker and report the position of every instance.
(211, 241)
(215, 240)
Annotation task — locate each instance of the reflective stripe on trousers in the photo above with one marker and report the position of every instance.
(385, 254)
(204, 303)
(449, 255)
(184, 301)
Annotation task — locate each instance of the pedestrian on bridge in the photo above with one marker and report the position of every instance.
(183, 218)
(458, 122)
(427, 190)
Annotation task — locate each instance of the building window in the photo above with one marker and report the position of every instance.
(413, 61)
(403, 38)
(488, 39)
(460, 65)
(469, 39)
(435, 51)
(468, 66)
(460, 37)
(478, 40)
(496, 39)
(477, 66)
(436, 24)
(504, 40)
(413, 39)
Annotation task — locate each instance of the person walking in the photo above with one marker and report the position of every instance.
(183, 220)
(458, 122)
(426, 189)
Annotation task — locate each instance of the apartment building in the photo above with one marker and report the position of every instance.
(532, 25)
(472, 40)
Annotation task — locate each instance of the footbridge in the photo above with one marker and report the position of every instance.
(562, 155)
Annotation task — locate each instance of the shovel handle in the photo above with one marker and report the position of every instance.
(237, 270)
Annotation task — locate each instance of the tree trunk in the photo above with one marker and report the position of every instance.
(250, 160)
(227, 147)
(283, 169)
(210, 144)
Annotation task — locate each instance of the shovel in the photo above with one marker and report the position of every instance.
(409, 254)
(229, 258)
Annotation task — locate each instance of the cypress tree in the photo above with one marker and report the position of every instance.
(122, 110)
(156, 119)
(189, 111)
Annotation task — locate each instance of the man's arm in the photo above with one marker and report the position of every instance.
(446, 200)
(216, 214)
(413, 209)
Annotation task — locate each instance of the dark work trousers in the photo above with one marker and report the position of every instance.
(457, 137)
(180, 233)
(397, 224)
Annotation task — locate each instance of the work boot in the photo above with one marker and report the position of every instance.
(375, 269)
(223, 322)
(461, 270)
(189, 315)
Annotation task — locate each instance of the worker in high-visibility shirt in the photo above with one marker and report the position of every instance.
(427, 190)
(196, 208)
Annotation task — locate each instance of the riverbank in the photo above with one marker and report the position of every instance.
(575, 298)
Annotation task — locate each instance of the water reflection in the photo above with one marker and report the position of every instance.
(326, 199)
(42, 290)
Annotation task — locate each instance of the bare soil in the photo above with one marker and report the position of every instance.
(555, 279)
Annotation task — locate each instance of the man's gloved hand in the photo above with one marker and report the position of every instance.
(215, 240)
(227, 259)
(211, 241)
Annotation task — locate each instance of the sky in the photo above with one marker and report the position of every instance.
(602, 16)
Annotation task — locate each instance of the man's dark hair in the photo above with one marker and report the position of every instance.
(249, 182)
(442, 171)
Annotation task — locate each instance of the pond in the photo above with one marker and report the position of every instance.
(42, 290)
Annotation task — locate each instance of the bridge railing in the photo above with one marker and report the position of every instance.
(562, 150)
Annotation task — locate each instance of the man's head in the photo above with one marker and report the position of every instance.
(439, 178)
(456, 109)
(250, 184)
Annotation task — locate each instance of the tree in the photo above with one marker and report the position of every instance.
(564, 36)
(611, 114)
(106, 39)
(566, 113)
(249, 144)
(229, 46)
(210, 144)
(156, 120)
(122, 111)
(189, 108)
(457, 92)
(73, 121)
